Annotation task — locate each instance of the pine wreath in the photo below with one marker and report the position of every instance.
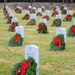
(68, 18)
(42, 28)
(17, 40)
(25, 67)
(46, 17)
(64, 11)
(18, 11)
(9, 19)
(12, 27)
(73, 14)
(26, 17)
(31, 22)
(54, 13)
(71, 31)
(62, 7)
(32, 11)
(39, 14)
(58, 43)
(57, 22)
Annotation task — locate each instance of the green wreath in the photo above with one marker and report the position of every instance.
(71, 31)
(31, 22)
(58, 43)
(58, 22)
(69, 18)
(42, 28)
(30, 69)
(17, 40)
(12, 26)
(26, 17)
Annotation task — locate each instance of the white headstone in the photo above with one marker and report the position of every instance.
(29, 6)
(40, 10)
(20, 30)
(65, 8)
(69, 13)
(47, 13)
(11, 15)
(74, 23)
(43, 21)
(32, 51)
(27, 12)
(43, 7)
(61, 31)
(58, 16)
(14, 20)
(34, 8)
(33, 16)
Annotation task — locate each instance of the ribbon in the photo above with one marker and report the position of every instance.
(73, 29)
(46, 17)
(57, 42)
(31, 21)
(23, 68)
(16, 38)
(55, 13)
(56, 21)
(41, 27)
(13, 26)
(9, 20)
(26, 16)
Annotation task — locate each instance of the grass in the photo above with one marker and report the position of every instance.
(51, 62)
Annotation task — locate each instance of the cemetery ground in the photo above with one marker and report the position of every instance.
(51, 62)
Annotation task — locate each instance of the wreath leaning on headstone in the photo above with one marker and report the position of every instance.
(25, 67)
(58, 43)
(71, 31)
(42, 28)
(17, 40)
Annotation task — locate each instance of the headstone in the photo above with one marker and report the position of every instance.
(65, 8)
(27, 12)
(61, 31)
(40, 10)
(43, 7)
(44, 21)
(20, 30)
(69, 13)
(47, 13)
(11, 15)
(58, 16)
(33, 16)
(32, 51)
(30, 7)
(14, 20)
(74, 23)
(34, 8)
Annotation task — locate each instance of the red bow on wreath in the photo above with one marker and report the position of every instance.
(41, 27)
(31, 21)
(73, 15)
(9, 20)
(55, 13)
(13, 26)
(56, 21)
(23, 68)
(26, 16)
(38, 14)
(73, 29)
(16, 38)
(18, 11)
(46, 17)
(67, 17)
(57, 42)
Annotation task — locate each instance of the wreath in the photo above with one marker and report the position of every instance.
(26, 17)
(46, 17)
(18, 10)
(73, 14)
(54, 13)
(39, 14)
(57, 22)
(43, 9)
(12, 26)
(58, 43)
(62, 7)
(68, 18)
(17, 40)
(42, 28)
(64, 11)
(9, 19)
(25, 67)
(71, 31)
(32, 11)
(31, 22)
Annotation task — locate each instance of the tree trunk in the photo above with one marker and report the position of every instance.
(5, 3)
(71, 1)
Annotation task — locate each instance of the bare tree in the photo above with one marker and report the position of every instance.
(5, 3)
(71, 1)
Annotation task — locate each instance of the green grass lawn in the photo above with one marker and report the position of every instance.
(51, 62)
